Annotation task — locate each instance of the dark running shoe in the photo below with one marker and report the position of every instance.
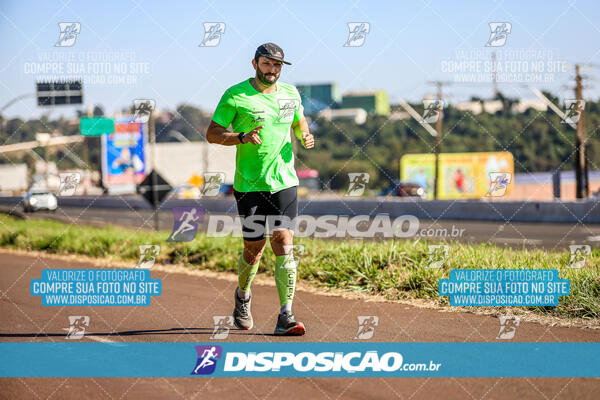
(242, 318)
(288, 326)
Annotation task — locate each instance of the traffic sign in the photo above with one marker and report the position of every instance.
(162, 188)
(60, 93)
(96, 126)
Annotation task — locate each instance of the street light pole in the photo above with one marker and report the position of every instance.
(581, 171)
(438, 139)
(153, 176)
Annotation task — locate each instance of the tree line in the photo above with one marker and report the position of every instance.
(538, 140)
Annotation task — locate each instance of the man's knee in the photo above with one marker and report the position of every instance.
(282, 238)
(253, 250)
(282, 235)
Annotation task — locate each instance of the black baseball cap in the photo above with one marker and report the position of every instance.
(271, 50)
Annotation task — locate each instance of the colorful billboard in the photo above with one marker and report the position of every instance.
(123, 156)
(462, 175)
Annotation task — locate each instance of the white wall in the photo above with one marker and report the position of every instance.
(13, 177)
(177, 162)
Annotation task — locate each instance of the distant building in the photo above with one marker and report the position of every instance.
(474, 107)
(318, 97)
(397, 112)
(357, 114)
(477, 107)
(373, 101)
(399, 115)
(492, 106)
(523, 105)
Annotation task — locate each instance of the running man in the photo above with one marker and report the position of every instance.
(261, 112)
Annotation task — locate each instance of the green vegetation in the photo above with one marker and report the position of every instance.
(393, 269)
(538, 140)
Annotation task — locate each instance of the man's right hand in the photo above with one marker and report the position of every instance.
(252, 136)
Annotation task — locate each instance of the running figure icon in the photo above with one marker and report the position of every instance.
(208, 355)
(186, 223)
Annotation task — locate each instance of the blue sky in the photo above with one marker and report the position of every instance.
(405, 47)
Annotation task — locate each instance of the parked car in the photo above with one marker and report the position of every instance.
(226, 189)
(405, 189)
(39, 199)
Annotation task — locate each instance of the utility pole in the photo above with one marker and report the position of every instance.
(438, 142)
(153, 172)
(438, 137)
(495, 76)
(85, 152)
(46, 169)
(581, 167)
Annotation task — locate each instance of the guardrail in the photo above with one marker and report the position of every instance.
(585, 212)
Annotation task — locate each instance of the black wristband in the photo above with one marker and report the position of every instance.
(241, 136)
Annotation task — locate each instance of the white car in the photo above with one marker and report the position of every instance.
(39, 199)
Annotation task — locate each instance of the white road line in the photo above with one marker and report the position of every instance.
(593, 238)
(100, 339)
(96, 338)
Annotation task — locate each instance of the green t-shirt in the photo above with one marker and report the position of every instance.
(268, 166)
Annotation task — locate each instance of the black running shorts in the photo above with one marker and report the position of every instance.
(262, 212)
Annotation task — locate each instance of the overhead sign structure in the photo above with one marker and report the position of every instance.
(462, 175)
(96, 126)
(124, 157)
(61, 93)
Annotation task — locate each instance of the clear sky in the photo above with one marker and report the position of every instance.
(408, 44)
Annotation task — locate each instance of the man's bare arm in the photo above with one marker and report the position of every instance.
(219, 135)
(301, 132)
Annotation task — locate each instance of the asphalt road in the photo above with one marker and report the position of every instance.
(183, 313)
(550, 236)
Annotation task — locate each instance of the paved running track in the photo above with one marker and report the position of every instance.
(183, 313)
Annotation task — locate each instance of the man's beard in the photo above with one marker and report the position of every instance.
(263, 78)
